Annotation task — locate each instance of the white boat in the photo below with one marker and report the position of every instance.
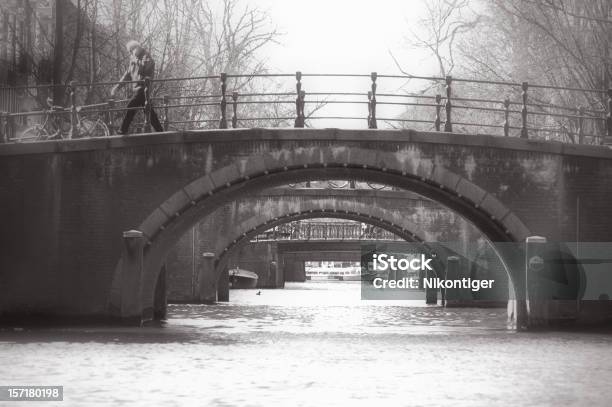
(240, 278)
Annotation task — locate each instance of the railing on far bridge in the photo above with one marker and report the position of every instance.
(309, 230)
(510, 109)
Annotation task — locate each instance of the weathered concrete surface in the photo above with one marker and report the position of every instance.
(69, 201)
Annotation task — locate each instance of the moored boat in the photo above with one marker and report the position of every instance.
(240, 278)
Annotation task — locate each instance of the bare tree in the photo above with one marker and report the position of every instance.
(564, 43)
(441, 27)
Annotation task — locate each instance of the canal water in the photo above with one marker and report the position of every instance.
(313, 343)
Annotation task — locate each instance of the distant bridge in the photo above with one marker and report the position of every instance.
(272, 215)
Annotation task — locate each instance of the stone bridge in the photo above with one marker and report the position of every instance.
(88, 223)
(226, 231)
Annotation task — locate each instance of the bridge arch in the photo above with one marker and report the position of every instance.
(382, 218)
(249, 229)
(169, 221)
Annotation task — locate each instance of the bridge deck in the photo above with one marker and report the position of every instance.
(288, 134)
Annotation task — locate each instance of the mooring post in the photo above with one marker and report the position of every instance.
(223, 121)
(147, 105)
(235, 109)
(299, 101)
(373, 123)
(524, 132)
(131, 277)
(448, 125)
(438, 120)
(537, 302)
(506, 117)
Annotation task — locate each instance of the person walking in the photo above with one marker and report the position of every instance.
(141, 66)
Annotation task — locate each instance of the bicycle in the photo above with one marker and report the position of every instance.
(55, 126)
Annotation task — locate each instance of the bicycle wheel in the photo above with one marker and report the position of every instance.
(333, 185)
(34, 133)
(376, 186)
(93, 128)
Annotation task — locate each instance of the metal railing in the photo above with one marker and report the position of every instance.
(309, 230)
(519, 113)
(342, 184)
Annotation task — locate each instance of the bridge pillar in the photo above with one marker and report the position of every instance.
(277, 276)
(131, 277)
(452, 295)
(431, 294)
(293, 269)
(207, 287)
(223, 285)
(160, 302)
(456, 297)
(299, 271)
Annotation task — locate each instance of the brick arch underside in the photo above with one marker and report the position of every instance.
(167, 223)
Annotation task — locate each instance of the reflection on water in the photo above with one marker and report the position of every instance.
(313, 344)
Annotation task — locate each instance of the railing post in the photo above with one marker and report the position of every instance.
(74, 119)
(147, 105)
(524, 133)
(299, 101)
(302, 106)
(448, 125)
(506, 117)
(235, 109)
(110, 114)
(609, 121)
(223, 121)
(369, 108)
(581, 125)
(438, 107)
(4, 127)
(373, 124)
(166, 118)
(10, 126)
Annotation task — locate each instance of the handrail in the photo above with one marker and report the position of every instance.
(531, 118)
